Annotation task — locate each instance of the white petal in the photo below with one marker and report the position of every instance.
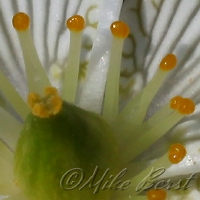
(93, 92)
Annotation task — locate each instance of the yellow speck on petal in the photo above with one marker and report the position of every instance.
(46, 106)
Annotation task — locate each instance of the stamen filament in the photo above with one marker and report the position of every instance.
(160, 164)
(136, 131)
(176, 152)
(13, 96)
(70, 81)
(111, 99)
(148, 138)
(36, 76)
(6, 175)
(147, 94)
(9, 131)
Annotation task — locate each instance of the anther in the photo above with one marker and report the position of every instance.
(75, 23)
(168, 62)
(156, 194)
(46, 106)
(176, 153)
(21, 21)
(120, 29)
(174, 102)
(186, 106)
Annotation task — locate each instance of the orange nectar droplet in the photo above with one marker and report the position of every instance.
(21, 21)
(176, 153)
(168, 62)
(120, 29)
(186, 106)
(75, 23)
(156, 194)
(174, 102)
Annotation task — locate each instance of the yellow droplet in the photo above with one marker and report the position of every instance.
(75, 23)
(156, 194)
(21, 21)
(120, 29)
(168, 62)
(174, 102)
(176, 153)
(186, 106)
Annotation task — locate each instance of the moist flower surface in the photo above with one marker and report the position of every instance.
(82, 112)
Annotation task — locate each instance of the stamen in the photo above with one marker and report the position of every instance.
(46, 106)
(158, 117)
(111, 99)
(36, 76)
(13, 96)
(160, 164)
(133, 114)
(176, 153)
(132, 132)
(146, 95)
(184, 105)
(76, 25)
(167, 63)
(156, 194)
(155, 131)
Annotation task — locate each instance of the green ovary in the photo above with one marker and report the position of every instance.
(49, 147)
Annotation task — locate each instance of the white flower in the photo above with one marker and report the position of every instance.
(157, 29)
